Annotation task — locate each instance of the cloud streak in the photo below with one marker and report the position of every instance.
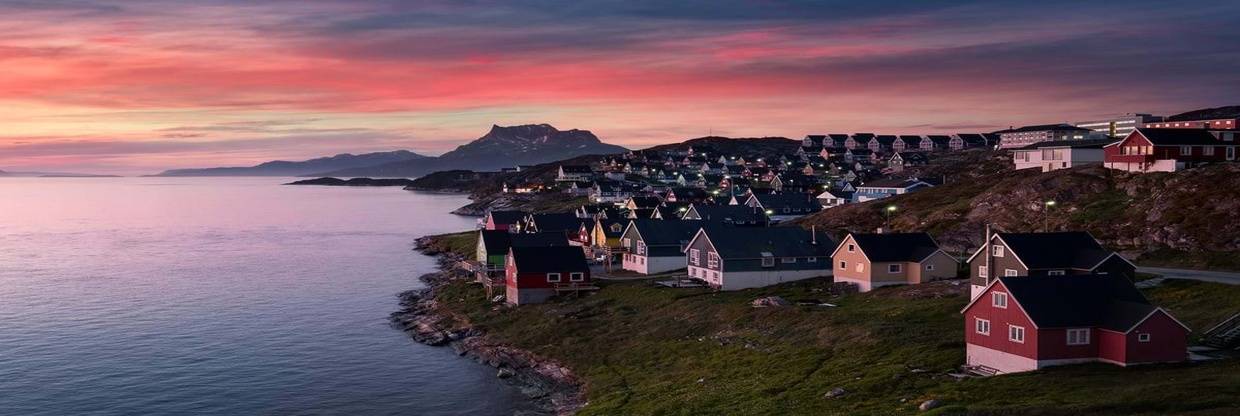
(425, 74)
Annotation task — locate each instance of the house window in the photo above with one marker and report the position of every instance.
(860, 267)
(981, 271)
(695, 256)
(1016, 334)
(627, 242)
(893, 268)
(1207, 151)
(712, 260)
(929, 267)
(843, 265)
(1078, 336)
(641, 248)
(982, 326)
(812, 259)
(768, 261)
(852, 248)
(1055, 273)
(787, 259)
(1009, 272)
(997, 251)
(1186, 150)
(553, 277)
(999, 300)
(1143, 337)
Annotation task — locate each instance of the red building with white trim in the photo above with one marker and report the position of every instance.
(535, 274)
(1030, 322)
(1169, 150)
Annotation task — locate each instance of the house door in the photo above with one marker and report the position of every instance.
(1231, 152)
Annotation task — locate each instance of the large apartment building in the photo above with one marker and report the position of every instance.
(1119, 126)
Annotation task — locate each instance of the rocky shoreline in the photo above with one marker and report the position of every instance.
(551, 386)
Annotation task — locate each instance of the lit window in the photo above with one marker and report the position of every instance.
(998, 251)
(982, 326)
(553, 277)
(1078, 336)
(860, 267)
(999, 300)
(1016, 334)
(1009, 272)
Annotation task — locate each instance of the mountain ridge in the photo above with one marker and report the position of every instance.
(501, 147)
(303, 167)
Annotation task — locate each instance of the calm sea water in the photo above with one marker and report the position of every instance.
(221, 296)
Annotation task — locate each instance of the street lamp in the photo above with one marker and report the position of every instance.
(1046, 215)
(888, 211)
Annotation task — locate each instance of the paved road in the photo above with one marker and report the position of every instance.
(1231, 278)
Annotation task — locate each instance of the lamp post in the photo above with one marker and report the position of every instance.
(888, 211)
(1046, 215)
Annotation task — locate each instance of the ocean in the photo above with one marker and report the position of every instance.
(230, 296)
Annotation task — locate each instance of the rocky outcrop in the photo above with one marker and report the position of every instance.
(548, 384)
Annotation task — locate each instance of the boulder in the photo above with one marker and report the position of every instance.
(505, 373)
(770, 301)
(835, 393)
(929, 404)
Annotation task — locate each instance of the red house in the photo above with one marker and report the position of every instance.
(535, 274)
(1030, 322)
(1169, 150)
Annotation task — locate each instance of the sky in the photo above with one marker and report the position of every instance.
(139, 86)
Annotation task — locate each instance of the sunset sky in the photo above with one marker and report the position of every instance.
(138, 86)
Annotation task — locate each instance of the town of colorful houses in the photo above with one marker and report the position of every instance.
(1037, 299)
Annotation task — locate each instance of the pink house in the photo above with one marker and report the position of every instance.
(1031, 322)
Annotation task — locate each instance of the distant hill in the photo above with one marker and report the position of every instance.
(500, 148)
(743, 146)
(1182, 218)
(301, 168)
(353, 182)
(1231, 111)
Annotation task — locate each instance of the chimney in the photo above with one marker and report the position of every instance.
(989, 252)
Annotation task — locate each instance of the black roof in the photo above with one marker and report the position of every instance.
(666, 232)
(896, 247)
(1178, 137)
(885, 139)
(576, 169)
(1058, 250)
(939, 138)
(972, 138)
(1044, 127)
(730, 213)
(507, 217)
(1075, 144)
(753, 242)
(556, 222)
(789, 200)
(497, 241)
(646, 201)
(1106, 301)
(549, 259)
(607, 223)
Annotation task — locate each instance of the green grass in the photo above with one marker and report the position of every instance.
(1205, 260)
(464, 243)
(645, 350)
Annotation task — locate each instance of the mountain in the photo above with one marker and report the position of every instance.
(501, 147)
(1231, 111)
(286, 168)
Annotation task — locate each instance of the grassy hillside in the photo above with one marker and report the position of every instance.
(644, 350)
(1182, 218)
